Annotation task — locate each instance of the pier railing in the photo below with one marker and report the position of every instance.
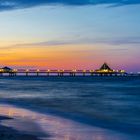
(60, 72)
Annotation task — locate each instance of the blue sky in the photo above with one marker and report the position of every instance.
(91, 29)
(11, 4)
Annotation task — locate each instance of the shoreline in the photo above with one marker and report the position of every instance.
(15, 125)
(53, 126)
(93, 122)
(8, 133)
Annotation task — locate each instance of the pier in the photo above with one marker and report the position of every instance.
(105, 70)
(33, 72)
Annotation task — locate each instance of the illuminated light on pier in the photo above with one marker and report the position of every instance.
(15, 70)
(84, 70)
(1, 70)
(74, 70)
(61, 70)
(122, 71)
(91, 70)
(104, 70)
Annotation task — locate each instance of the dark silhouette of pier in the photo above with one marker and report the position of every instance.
(105, 70)
(57, 73)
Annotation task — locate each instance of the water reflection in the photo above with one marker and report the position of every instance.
(58, 128)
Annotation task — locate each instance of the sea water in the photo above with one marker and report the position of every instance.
(111, 103)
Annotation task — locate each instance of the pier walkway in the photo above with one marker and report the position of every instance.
(33, 72)
(104, 70)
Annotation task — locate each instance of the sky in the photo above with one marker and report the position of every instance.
(70, 34)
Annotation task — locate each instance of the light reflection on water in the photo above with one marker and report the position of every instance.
(58, 128)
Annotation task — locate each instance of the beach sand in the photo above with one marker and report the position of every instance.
(22, 124)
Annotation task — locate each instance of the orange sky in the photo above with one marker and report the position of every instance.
(76, 56)
(52, 57)
(62, 37)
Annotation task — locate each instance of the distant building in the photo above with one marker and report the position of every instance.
(5, 69)
(105, 69)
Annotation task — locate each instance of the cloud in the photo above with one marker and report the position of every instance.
(43, 44)
(124, 41)
(17, 4)
(109, 41)
(91, 41)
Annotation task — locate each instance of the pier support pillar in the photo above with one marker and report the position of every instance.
(91, 73)
(26, 73)
(48, 74)
(84, 74)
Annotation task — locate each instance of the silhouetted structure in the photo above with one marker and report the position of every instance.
(104, 70)
(105, 67)
(6, 69)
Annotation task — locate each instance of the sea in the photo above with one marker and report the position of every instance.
(108, 103)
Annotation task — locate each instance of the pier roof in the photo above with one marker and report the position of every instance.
(105, 67)
(6, 68)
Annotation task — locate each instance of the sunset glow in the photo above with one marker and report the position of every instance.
(62, 37)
